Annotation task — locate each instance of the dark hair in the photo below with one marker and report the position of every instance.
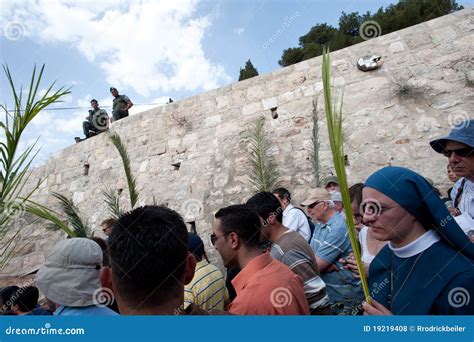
(148, 249)
(26, 298)
(355, 193)
(93, 100)
(282, 193)
(6, 295)
(266, 204)
(108, 222)
(103, 246)
(243, 220)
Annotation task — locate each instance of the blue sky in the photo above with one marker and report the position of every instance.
(149, 50)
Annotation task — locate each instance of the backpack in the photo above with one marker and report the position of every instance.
(312, 226)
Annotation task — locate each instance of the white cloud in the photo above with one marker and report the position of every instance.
(145, 45)
(239, 30)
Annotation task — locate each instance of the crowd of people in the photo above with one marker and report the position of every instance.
(416, 247)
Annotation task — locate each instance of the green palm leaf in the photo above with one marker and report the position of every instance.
(334, 122)
(132, 184)
(263, 174)
(14, 166)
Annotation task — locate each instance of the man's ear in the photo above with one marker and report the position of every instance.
(106, 277)
(272, 219)
(190, 268)
(234, 240)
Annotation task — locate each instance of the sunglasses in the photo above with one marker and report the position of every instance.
(311, 206)
(462, 152)
(213, 239)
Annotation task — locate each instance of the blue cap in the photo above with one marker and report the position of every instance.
(462, 132)
(195, 244)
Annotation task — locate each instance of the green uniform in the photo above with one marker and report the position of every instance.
(96, 122)
(118, 107)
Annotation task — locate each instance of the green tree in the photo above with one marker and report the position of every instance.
(292, 56)
(393, 18)
(248, 72)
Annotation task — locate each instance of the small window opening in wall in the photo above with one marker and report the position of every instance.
(274, 112)
(176, 165)
(86, 169)
(192, 227)
(346, 160)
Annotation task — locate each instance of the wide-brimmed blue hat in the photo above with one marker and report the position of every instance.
(462, 132)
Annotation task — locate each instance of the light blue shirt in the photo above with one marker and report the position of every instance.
(84, 311)
(330, 242)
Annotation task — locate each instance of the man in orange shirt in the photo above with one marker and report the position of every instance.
(264, 286)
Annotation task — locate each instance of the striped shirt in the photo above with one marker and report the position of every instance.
(207, 289)
(294, 251)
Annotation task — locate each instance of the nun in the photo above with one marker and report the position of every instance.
(427, 267)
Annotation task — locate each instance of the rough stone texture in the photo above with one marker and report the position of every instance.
(423, 87)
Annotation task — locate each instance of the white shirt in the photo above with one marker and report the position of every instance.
(466, 205)
(295, 219)
(366, 256)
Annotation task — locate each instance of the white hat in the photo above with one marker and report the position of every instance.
(71, 273)
(336, 196)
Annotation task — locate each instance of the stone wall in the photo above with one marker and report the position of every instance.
(423, 87)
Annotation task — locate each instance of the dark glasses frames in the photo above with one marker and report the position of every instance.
(462, 152)
(311, 206)
(213, 239)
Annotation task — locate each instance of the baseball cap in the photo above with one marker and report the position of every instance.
(318, 194)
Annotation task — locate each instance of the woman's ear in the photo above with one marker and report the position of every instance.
(190, 268)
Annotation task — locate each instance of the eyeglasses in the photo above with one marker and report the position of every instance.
(462, 152)
(311, 206)
(373, 209)
(215, 237)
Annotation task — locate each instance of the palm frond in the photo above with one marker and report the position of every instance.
(112, 200)
(14, 166)
(132, 184)
(70, 210)
(263, 173)
(49, 215)
(334, 122)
